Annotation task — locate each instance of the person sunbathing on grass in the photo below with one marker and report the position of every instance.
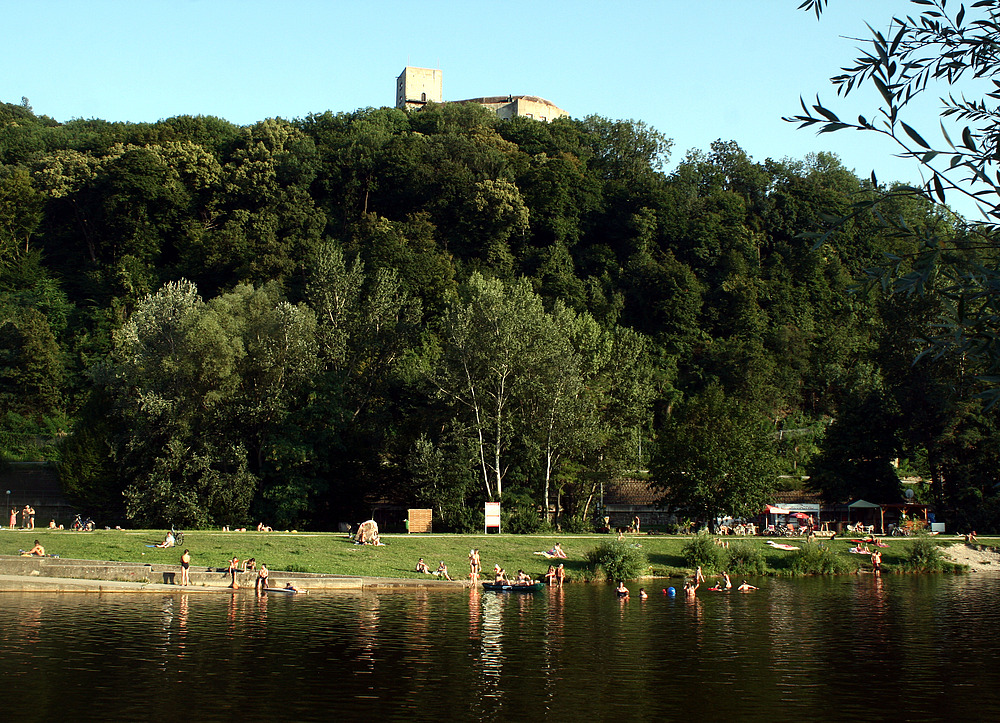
(556, 551)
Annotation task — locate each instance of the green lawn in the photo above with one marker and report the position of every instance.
(335, 553)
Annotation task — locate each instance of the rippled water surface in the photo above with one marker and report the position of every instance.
(897, 648)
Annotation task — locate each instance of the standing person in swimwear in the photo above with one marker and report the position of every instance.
(560, 574)
(185, 566)
(474, 565)
(261, 583)
(550, 575)
(234, 567)
(877, 561)
(13, 517)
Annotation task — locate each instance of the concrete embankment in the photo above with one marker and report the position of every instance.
(53, 574)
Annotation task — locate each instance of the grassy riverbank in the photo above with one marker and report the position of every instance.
(335, 553)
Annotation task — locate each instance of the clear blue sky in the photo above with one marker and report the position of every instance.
(696, 70)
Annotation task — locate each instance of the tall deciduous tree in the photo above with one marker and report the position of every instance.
(494, 337)
(714, 456)
(198, 390)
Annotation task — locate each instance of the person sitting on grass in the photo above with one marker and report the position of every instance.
(423, 567)
(442, 571)
(36, 551)
(168, 541)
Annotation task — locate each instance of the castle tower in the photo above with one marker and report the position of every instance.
(415, 87)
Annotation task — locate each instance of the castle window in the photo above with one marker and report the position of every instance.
(423, 97)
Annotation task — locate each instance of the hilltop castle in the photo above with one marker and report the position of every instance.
(415, 87)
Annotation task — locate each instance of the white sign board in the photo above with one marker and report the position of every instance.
(492, 516)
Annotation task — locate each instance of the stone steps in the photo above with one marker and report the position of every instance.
(200, 577)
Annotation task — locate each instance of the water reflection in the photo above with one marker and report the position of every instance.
(795, 648)
(491, 646)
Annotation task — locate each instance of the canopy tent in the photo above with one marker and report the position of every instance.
(864, 504)
(775, 510)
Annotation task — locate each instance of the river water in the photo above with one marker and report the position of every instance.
(864, 648)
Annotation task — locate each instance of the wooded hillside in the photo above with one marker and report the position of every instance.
(210, 324)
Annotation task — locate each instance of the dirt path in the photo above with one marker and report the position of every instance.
(978, 560)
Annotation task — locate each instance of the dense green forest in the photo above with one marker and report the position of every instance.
(206, 324)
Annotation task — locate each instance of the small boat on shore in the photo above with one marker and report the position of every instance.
(510, 587)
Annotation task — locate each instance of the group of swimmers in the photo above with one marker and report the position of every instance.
(690, 588)
(692, 584)
(623, 591)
